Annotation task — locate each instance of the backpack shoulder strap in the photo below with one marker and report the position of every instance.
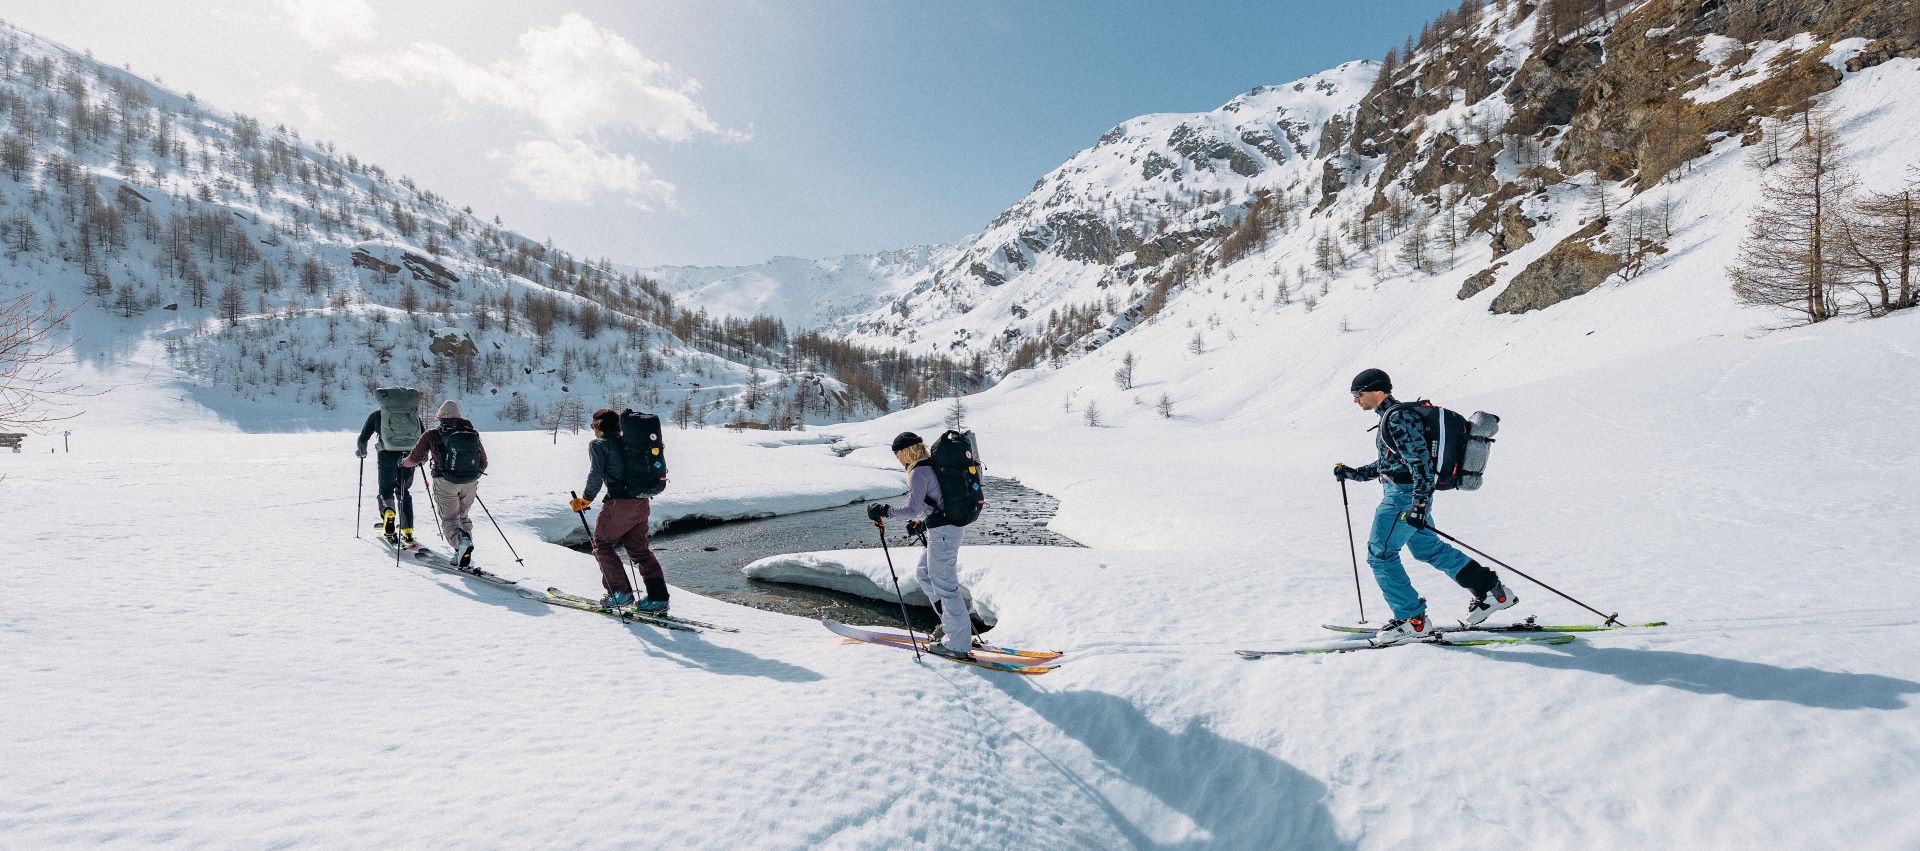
(1397, 407)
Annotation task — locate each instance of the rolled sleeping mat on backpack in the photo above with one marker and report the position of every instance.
(1481, 427)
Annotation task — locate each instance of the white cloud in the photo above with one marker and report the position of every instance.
(578, 83)
(324, 22)
(575, 78)
(575, 172)
(295, 107)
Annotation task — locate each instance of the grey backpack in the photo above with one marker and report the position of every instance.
(400, 426)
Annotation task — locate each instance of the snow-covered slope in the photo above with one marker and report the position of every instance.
(1151, 190)
(816, 294)
(287, 278)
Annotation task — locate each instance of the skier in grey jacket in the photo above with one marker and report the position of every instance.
(940, 563)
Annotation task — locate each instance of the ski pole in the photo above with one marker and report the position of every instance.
(394, 542)
(1611, 620)
(437, 519)
(897, 595)
(1352, 552)
(583, 519)
(592, 544)
(503, 535)
(360, 497)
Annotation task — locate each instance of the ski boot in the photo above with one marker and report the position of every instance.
(406, 538)
(1416, 628)
(463, 552)
(939, 649)
(1499, 598)
(939, 636)
(386, 526)
(616, 599)
(650, 606)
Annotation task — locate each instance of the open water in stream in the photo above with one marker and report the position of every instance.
(705, 556)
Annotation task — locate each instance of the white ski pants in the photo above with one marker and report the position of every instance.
(939, 576)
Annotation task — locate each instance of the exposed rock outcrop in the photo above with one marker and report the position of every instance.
(1512, 230)
(426, 270)
(1574, 267)
(363, 260)
(451, 343)
(1478, 282)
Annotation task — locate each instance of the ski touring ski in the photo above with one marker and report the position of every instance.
(994, 649)
(424, 556)
(1443, 642)
(880, 639)
(561, 598)
(1527, 625)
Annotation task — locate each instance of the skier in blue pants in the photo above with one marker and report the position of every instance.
(1404, 519)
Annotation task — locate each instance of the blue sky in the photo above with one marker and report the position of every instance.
(723, 131)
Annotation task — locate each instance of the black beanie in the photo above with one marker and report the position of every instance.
(905, 440)
(1372, 379)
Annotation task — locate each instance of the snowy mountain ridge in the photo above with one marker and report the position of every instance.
(820, 294)
(280, 280)
(1509, 152)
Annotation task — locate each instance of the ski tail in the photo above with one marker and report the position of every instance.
(878, 639)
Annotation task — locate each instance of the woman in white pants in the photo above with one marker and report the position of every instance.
(940, 564)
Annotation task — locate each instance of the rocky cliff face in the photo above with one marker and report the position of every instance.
(1467, 138)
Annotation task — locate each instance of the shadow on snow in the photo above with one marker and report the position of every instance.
(1703, 674)
(1241, 796)
(693, 650)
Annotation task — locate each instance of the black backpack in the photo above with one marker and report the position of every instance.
(1447, 436)
(459, 454)
(643, 458)
(956, 466)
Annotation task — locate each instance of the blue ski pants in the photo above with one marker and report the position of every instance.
(1389, 534)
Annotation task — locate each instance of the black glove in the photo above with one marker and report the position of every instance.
(916, 527)
(876, 511)
(360, 453)
(1416, 515)
(1342, 472)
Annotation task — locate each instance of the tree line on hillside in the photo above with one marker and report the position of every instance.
(251, 204)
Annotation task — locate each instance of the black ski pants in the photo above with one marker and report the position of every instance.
(396, 480)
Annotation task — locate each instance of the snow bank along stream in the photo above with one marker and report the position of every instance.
(711, 557)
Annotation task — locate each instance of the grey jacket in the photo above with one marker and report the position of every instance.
(607, 463)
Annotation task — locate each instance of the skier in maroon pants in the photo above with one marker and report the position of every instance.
(622, 522)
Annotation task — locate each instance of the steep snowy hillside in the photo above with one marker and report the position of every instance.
(1146, 197)
(1531, 154)
(286, 278)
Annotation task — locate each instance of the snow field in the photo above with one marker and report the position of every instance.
(1747, 488)
(213, 659)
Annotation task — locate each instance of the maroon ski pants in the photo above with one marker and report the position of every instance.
(623, 523)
